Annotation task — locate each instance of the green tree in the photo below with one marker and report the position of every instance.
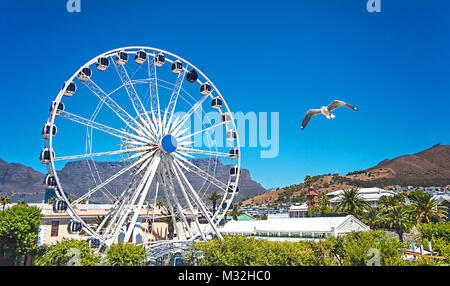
(69, 253)
(373, 217)
(214, 197)
(435, 230)
(351, 202)
(263, 217)
(324, 200)
(4, 200)
(19, 228)
(398, 217)
(308, 180)
(426, 207)
(122, 254)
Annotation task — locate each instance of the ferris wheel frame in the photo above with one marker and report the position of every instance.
(227, 198)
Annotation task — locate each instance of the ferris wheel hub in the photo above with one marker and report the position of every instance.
(169, 143)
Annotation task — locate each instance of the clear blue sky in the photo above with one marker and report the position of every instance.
(273, 56)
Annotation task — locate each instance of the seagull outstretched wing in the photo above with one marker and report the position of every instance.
(308, 116)
(337, 103)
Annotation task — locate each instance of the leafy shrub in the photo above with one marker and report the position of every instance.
(437, 230)
(122, 254)
(350, 249)
(68, 253)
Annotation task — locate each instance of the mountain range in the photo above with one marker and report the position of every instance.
(20, 182)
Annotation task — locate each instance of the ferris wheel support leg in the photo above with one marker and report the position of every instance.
(172, 212)
(137, 210)
(172, 191)
(194, 215)
(128, 203)
(200, 204)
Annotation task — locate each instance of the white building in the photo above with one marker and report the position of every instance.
(294, 229)
(371, 195)
(298, 210)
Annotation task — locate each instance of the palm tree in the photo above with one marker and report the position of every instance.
(373, 217)
(235, 212)
(167, 218)
(385, 202)
(22, 203)
(214, 197)
(4, 200)
(324, 200)
(99, 220)
(426, 207)
(351, 202)
(398, 218)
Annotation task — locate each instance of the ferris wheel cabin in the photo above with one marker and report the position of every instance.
(71, 88)
(205, 88)
(60, 108)
(46, 155)
(159, 59)
(85, 74)
(49, 182)
(177, 66)
(102, 63)
(48, 131)
(121, 58)
(192, 76)
(59, 206)
(216, 103)
(140, 57)
(234, 153)
(74, 227)
(231, 135)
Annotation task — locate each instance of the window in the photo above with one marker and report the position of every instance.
(55, 227)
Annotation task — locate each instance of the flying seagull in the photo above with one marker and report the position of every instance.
(325, 110)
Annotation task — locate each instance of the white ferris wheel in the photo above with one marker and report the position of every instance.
(135, 106)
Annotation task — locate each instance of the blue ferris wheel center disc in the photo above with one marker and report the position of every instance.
(169, 143)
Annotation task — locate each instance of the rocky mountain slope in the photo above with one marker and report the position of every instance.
(430, 167)
(22, 182)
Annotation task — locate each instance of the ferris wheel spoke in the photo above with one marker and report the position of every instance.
(190, 167)
(203, 152)
(186, 197)
(199, 202)
(119, 111)
(113, 216)
(101, 127)
(173, 101)
(132, 94)
(154, 97)
(109, 180)
(176, 127)
(201, 131)
(117, 152)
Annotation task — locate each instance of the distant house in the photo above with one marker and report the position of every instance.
(371, 195)
(54, 226)
(294, 229)
(298, 210)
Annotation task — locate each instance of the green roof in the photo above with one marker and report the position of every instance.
(241, 217)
